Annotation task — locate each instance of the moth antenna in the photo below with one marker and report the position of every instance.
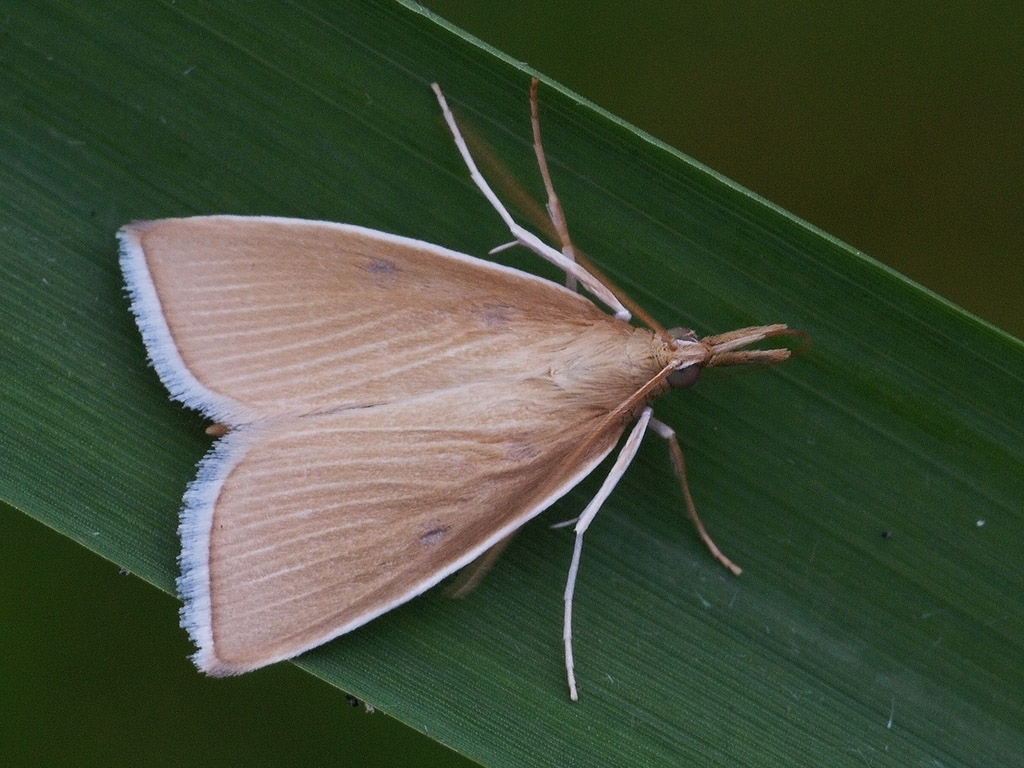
(524, 236)
(618, 469)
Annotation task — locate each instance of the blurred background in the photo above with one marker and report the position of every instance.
(895, 127)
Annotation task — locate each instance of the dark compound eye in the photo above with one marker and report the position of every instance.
(684, 377)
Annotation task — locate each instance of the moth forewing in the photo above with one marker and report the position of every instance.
(251, 317)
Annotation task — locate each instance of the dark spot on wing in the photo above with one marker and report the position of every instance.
(434, 535)
(382, 267)
(383, 273)
(497, 315)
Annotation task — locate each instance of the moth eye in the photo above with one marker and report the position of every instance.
(684, 377)
(682, 334)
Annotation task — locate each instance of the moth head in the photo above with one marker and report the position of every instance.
(726, 349)
(688, 372)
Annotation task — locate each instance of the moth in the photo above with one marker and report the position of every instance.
(387, 410)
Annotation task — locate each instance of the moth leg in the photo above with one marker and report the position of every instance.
(680, 468)
(557, 216)
(473, 573)
(523, 236)
(554, 206)
(586, 518)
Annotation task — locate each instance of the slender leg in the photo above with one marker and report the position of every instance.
(680, 467)
(473, 573)
(554, 204)
(521, 235)
(618, 469)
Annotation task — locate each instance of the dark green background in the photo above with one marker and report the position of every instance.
(897, 130)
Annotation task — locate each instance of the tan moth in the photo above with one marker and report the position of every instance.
(388, 410)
